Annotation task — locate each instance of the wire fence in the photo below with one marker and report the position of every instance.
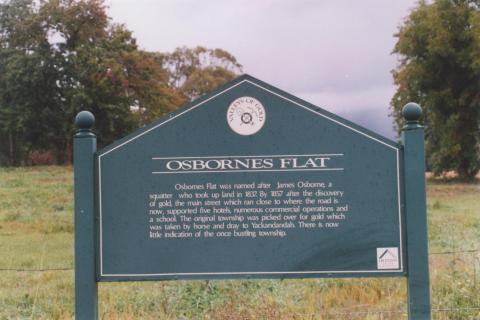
(439, 313)
(71, 268)
(443, 313)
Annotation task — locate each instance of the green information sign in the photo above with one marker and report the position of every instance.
(250, 181)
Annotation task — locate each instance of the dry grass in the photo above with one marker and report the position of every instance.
(36, 232)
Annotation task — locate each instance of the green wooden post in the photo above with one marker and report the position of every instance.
(84, 147)
(416, 214)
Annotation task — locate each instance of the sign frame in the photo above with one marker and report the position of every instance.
(411, 207)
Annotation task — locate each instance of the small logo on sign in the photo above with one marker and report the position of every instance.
(387, 258)
(246, 116)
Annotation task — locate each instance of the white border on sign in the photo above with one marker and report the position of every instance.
(250, 170)
(255, 272)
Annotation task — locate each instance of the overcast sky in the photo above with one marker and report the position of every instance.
(334, 54)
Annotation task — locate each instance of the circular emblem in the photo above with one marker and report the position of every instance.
(246, 116)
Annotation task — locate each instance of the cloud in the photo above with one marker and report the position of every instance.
(367, 107)
(333, 53)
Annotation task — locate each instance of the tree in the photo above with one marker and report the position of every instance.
(24, 76)
(58, 57)
(197, 71)
(439, 67)
(61, 56)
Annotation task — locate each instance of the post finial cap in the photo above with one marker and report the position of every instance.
(84, 120)
(412, 112)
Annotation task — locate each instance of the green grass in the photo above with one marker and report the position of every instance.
(36, 232)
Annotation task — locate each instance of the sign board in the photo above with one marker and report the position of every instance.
(250, 181)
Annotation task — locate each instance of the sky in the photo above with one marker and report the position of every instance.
(334, 54)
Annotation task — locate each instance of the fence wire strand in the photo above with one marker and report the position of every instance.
(36, 270)
(444, 312)
(381, 313)
(71, 268)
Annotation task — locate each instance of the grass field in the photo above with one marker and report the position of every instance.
(36, 233)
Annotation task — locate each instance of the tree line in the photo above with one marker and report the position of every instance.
(58, 57)
(439, 67)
